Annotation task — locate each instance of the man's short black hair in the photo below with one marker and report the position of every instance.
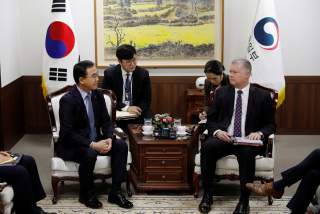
(80, 69)
(214, 67)
(125, 51)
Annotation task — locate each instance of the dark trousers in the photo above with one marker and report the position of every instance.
(25, 181)
(308, 171)
(213, 149)
(87, 157)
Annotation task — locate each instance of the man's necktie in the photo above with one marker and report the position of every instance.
(128, 98)
(93, 133)
(237, 116)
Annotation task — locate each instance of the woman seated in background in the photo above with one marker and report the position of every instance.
(215, 78)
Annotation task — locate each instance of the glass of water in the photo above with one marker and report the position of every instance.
(177, 122)
(147, 122)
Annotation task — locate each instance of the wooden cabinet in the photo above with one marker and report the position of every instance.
(195, 103)
(159, 164)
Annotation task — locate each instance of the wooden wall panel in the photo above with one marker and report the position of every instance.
(169, 95)
(12, 114)
(35, 110)
(299, 114)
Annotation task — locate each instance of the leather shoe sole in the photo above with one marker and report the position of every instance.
(264, 190)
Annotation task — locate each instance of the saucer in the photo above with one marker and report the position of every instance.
(182, 133)
(147, 133)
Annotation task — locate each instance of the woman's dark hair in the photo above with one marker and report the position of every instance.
(214, 66)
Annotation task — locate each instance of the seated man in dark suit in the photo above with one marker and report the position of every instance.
(130, 83)
(238, 110)
(308, 171)
(25, 181)
(86, 131)
(215, 79)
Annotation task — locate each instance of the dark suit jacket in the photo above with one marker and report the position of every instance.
(208, 87)
(74, 122)
(141, 87)
(260, 111)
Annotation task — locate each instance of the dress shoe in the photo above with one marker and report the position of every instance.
(205, 204)
(92, 202)
(264, 190)
(242, 207)
(119, 199)
(39, 210)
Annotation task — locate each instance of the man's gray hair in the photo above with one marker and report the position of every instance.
(244, 62)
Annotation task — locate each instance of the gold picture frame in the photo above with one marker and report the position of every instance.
(164, 35)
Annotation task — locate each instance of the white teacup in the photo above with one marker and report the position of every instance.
(147, 129)
(181, 129)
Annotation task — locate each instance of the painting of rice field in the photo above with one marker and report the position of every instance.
(160, 30)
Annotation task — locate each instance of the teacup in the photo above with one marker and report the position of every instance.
(181, 129)
(147, 129)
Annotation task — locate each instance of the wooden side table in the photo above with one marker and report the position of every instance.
(160, 164)
(195, 103)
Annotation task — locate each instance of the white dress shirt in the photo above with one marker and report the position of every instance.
(245, 98)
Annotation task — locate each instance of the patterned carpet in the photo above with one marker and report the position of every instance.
(150, 204)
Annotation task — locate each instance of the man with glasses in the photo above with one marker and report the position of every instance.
(86, 131)
(130, 83)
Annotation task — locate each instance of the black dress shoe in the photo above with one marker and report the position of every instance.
(242, 207)
(92, 202)
(119, 199)
(205, 204)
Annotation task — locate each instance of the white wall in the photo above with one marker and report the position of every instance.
(299, 33)
(298, 19)
(10, 41)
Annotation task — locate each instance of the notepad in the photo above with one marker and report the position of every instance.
(247, 142)
(124, 115)
(13, 160)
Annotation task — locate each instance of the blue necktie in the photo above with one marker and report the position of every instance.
(127, 97)
(237, 116)
(93, 133)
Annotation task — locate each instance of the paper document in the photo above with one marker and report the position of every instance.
(124, 115)
(246, 141)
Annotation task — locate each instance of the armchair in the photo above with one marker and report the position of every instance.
(68, 170)
(228, 167)
(6, 196)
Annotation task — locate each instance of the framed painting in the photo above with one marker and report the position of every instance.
(165, 33)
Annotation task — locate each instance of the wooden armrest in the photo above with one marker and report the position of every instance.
(269, 148)
(118, 132)
(2, 186)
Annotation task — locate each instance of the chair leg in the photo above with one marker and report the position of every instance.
(55, 187)
(129, 192)
(270, 200)
(196, 180)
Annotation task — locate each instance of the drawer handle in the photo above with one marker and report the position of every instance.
(163, 177)
(163, 162)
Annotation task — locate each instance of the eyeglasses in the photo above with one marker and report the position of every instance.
(93, 76)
